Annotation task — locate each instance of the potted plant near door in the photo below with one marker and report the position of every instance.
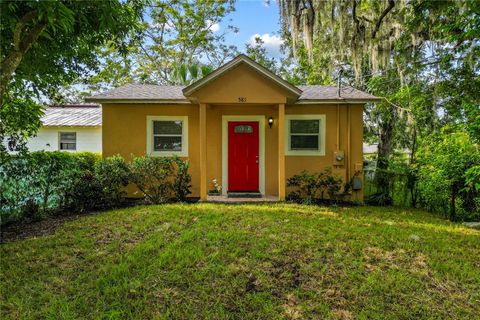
(216, 190)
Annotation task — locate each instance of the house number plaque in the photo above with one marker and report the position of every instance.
(242, 99)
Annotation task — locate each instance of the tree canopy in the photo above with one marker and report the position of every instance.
(48, 44)
(423, 57)
(176, 33)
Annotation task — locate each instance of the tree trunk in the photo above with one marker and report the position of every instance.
(382, 179)
(453, 213)
(412, 175)
(24, 36)
(7, 68)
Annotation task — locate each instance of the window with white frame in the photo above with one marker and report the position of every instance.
(305, 135)
(67, 141)
(167, 136)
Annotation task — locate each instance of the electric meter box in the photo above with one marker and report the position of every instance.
(339, 158)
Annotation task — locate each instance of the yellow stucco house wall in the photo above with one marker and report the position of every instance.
(293, 128)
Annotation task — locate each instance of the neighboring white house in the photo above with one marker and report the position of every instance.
(70, 128)
(369, 149)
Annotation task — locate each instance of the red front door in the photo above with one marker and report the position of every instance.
(243, 157)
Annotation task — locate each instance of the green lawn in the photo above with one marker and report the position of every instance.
(271, 261)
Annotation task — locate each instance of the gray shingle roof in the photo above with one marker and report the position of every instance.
(157, 92)
(142, 91)
(316, 92)
(72, 115)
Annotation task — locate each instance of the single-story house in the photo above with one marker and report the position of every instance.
(241, 125)
(69, 128)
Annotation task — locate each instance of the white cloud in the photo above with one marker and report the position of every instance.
(268, 3)
(270, 42)
(214, 27)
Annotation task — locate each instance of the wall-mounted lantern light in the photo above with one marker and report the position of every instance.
(270, 122)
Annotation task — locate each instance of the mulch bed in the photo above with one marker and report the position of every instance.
(30, 229)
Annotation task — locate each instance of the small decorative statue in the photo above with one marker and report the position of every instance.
(217, 188)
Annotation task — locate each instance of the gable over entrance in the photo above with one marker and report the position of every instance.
(242, 80)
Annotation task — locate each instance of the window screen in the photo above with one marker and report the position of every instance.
(167, 135)
(305, 134)
(68, 141)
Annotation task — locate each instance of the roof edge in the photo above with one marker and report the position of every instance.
(337, 101)
(76, 125)
(74, 105)
(135, 101)
(233, 63)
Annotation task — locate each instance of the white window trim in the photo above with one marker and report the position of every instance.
(151, 152)
(321, 151)
(60, 141)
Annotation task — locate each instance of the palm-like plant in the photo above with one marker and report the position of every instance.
(187, 73)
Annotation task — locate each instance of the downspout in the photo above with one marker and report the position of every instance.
(338, 126)
(348, 142)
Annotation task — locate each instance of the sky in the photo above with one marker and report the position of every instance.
(254, 18)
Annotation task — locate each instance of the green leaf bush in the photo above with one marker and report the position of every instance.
(38, 184)
(310, 188)
(32, 185)
(161, 179)
(449, 175)
(153, 178)
(182, 181)
(98, 185)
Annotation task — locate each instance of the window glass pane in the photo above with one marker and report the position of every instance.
(243, 129)
(167, 127)
(304, 126)
(299, 142)
(67, 146)
(68, 136)
(167, 143)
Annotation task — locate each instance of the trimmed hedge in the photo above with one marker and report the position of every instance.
(37, 184)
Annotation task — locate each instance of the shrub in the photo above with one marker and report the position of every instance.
(113, 174)
(161, 179)
(448, 175)
(306, 185)
(84, 193)
(100, 185)
(398, 183)
(153, 177)
(33, 184)
(311, 187)
(86, 160)
(181, 184)
(329, 183)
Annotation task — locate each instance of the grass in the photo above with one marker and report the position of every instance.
(210, 261)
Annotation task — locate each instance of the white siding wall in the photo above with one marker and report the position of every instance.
(88, 139)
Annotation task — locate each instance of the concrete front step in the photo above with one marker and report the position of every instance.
(244, 194)
(226, 199)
